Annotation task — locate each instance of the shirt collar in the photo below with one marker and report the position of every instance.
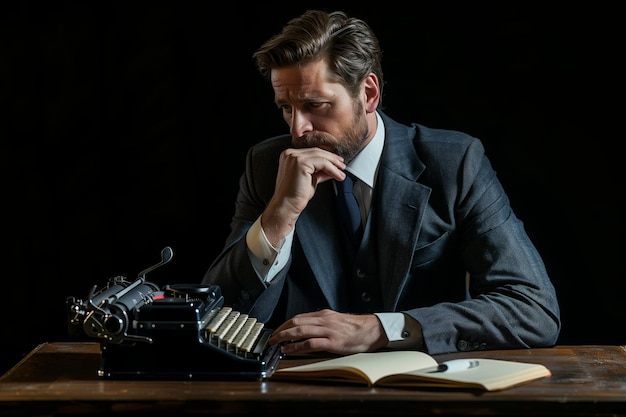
(365, 164)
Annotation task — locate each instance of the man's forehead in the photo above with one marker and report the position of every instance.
(298, 90)
(298, 75)
(303, 81)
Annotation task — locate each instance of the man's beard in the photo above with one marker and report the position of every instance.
(347, 146)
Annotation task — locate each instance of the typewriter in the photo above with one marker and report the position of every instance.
(178, 331)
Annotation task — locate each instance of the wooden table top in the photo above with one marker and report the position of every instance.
(61, 378)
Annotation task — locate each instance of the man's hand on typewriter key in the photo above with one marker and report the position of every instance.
(330, 331)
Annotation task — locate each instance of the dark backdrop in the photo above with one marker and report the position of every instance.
(125, 125)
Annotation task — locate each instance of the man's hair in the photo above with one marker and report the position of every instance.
(348, 45)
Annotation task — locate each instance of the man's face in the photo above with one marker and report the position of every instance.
(320, 112)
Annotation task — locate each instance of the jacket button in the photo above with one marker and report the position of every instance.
(476, 346)
(462, 345)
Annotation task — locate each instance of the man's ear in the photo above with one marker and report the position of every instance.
(372, 92)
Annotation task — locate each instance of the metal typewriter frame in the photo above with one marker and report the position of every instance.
(146, 332)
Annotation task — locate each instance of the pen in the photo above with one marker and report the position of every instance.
(457, 365)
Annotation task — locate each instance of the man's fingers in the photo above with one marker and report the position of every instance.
(316, 162)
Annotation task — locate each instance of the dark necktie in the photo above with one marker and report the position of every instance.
(348, 208)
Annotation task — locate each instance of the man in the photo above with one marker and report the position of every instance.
(443, 263)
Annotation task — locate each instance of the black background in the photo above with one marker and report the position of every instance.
(125, 126)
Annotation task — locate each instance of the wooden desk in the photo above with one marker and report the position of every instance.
(60, 379)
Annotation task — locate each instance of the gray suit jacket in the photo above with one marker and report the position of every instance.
(441, 216)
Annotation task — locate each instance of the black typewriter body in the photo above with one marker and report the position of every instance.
(179, 331)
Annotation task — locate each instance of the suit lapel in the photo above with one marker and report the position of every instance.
(400, 203)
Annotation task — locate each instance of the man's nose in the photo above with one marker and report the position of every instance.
(300, 124)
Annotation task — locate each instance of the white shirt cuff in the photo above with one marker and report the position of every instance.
(266, 259)
(401, 330)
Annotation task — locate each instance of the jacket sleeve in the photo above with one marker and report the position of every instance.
(510, 301)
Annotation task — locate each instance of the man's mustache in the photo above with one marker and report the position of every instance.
(313, 140)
